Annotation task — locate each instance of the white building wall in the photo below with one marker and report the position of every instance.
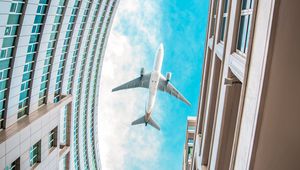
(20, 134)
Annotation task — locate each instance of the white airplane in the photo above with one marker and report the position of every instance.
(154, 81)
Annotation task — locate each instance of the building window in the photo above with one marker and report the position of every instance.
(190, 141)
(214, 17)
(52, 138)
(244, 26)
(190, 152)
(63, 163)
(63, 125)
(35, 153)
(224, 20)
(15, 165)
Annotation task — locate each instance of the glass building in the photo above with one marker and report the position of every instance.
(50, 63)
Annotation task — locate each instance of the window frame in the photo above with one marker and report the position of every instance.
(223, 29)
(52, 139)
(213, 21)
(248, 11)
(15, 165)
(35, 159)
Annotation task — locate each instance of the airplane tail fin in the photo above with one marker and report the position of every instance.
(141, 120)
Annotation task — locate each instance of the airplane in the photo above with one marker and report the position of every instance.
(153, 81)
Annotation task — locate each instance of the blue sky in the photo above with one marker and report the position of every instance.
(138, 28)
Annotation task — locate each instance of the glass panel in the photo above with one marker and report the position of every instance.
(242, 37)
(13, 19)
(57, 19)
(2, 95)
(3, 54)
(7, 31)
(19, 8)
(43, 1)
(39, 9)
(247, 4)
(13, 7)
(223, 29)
(21, 113)
(26, 76)
(13, 30)
(1, 106)
(61, 3)
(35, 29)
(8, 42)
(43, 85)
(38, 19)
(43, 9)
(29, 57)
(225, 6)
(248, 33)
(33, 38)
(23, 95)
(59, 10)
(2, 85)
(4, 64)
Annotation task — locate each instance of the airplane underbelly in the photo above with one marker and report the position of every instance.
(152, 92)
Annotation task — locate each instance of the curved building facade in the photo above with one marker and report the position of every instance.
(50, 64)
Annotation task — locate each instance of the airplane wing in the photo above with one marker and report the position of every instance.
(142, 81)
(166, 86)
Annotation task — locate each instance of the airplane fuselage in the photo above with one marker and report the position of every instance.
(154, 80)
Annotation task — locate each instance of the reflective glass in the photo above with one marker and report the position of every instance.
(244, 30)
(13, 7)
(7, 42)
(13, 19)
(38, 19)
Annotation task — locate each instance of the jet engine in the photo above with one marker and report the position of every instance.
(142, 72)
(168, 77)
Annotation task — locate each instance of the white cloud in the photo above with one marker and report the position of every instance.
(132, 43)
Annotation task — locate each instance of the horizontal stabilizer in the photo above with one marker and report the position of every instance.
(153, 124)
(140, 120)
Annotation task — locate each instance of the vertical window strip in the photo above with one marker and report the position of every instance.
(94, 84)
(74, 59)
(78, 92)
(87, 92)
(84, 123)
(49, 54)
(76, 51)
(6, 52)
(59, 78)
(30, 58)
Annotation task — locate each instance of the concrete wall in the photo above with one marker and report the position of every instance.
(278, 142)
